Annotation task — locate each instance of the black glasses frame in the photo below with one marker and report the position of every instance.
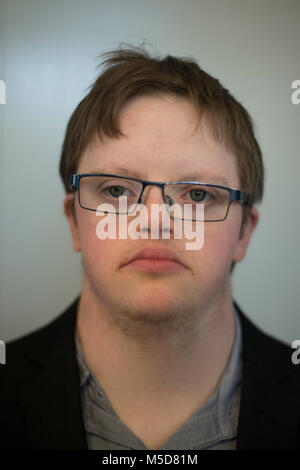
(236, 195)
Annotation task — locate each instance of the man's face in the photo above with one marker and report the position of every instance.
(160, 144)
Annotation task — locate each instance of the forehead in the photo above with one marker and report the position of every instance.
(162, 140)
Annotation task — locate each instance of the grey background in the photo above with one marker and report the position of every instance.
(48, 59)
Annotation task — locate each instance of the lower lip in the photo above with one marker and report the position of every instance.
(155, 265)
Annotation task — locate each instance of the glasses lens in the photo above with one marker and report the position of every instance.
(197, 201)
(95, 191)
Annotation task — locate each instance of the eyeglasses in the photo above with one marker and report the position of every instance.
(96, 189)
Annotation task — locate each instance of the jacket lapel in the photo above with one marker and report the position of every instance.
(269, 409)
(51, 398)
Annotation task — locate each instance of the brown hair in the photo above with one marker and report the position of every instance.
(132, 71)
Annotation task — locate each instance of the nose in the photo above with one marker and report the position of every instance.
(157, 215)
(152, 195)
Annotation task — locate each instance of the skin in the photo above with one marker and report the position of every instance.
(158, 343)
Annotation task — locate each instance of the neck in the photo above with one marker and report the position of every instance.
(149, 368)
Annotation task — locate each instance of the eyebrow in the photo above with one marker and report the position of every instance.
(186, 177)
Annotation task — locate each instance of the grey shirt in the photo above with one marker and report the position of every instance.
(212, 427)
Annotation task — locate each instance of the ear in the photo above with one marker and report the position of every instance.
(245, 236)
(69, 211)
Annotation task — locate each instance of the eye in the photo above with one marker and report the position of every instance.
(115, 191)
(199, 195)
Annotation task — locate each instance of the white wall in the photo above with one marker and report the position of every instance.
(48, 58)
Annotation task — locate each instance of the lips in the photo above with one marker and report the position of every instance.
(153, 253)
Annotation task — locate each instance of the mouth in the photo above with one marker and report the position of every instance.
(155, 260)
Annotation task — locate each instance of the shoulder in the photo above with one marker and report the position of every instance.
(271, 355)
(39, 389)
(26, 353)
(269, 415)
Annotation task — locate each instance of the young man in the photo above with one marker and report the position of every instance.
(155, 354)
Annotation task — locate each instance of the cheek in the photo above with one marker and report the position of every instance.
(219, 248)
(97, 254)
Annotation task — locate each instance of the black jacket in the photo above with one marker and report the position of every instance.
(40, 406)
